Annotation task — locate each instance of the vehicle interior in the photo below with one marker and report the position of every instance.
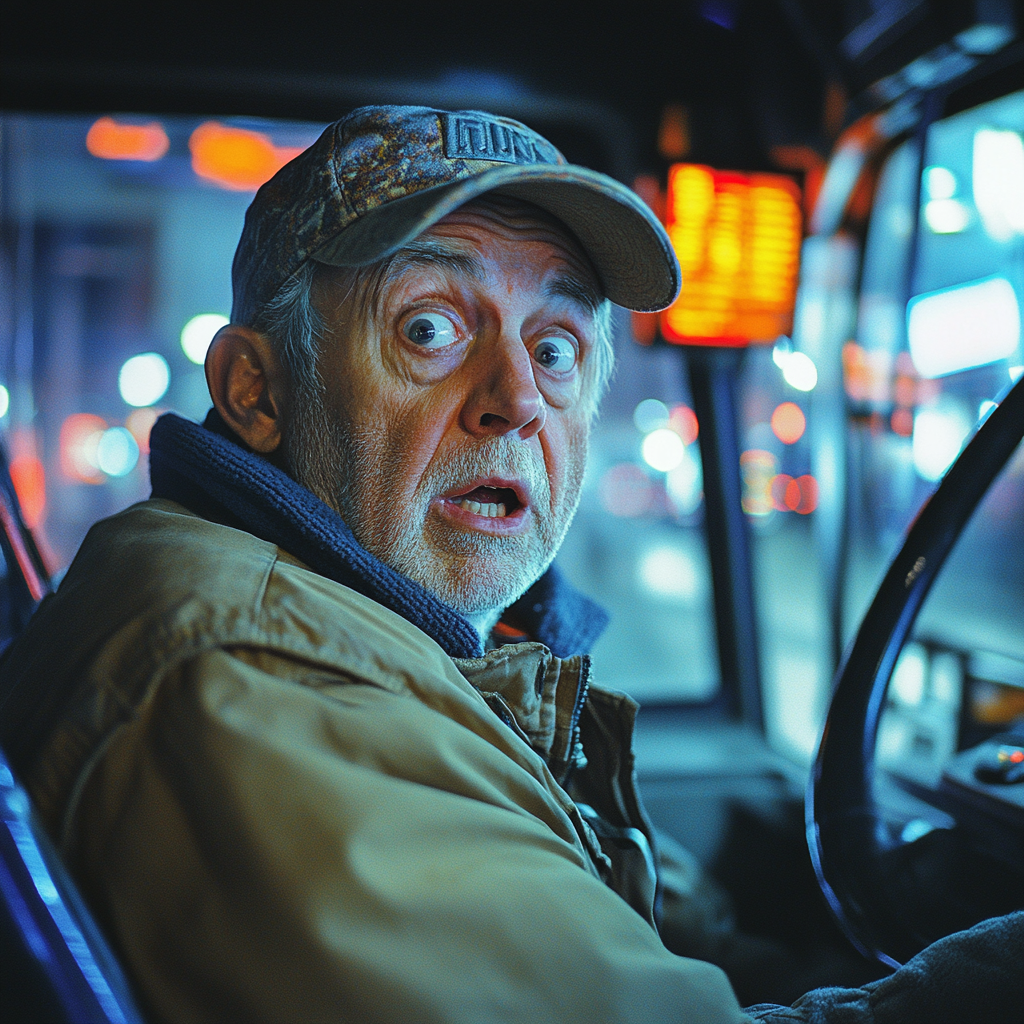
(804, 508)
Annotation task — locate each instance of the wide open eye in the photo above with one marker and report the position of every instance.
(430, 330)
(555, 353)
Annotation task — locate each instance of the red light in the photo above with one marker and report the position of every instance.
(140, 423)
(788, 423)
(683, 420)
(29, 479)
(79, 442)
(808, 494)
(902, 422)
(110, 140)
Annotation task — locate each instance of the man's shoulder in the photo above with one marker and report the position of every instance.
(172, 583)
(156, 587)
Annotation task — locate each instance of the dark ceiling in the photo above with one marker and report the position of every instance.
(751, 74)
(748, 76)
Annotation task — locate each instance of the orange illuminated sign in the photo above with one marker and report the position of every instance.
(737, 238)
(236, 158)
(111, 140)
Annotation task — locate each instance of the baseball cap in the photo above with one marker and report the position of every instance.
(379, 177)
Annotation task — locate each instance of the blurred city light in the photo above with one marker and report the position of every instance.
(650, 414)
(5, 401)
(29, 479)
(197, 334)
(663, 449)
(144, 379)
(799, 371)
(798, 495)
(140, 423)
(938, 436)
(939, 182)
(998, 179)
(80, 435)
(757, 470)
(684, 484)
(236, 158)
(909, 676)
(737, 238)
(110, 140)
(683, 420)
(788, 422)
(117, 452)
(946, 216)
(958, 328)
(670, 572)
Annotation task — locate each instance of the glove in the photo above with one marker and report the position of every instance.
(971, 976)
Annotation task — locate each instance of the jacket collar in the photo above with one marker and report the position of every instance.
(537, 695)
(209, 471)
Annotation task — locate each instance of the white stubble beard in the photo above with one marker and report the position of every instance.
(477, 574)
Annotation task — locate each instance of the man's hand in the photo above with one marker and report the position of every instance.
(974, 975)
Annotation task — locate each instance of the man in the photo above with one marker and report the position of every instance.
(282, 742)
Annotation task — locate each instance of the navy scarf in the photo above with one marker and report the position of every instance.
(206, 469)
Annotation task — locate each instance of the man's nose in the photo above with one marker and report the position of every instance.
(504, 397)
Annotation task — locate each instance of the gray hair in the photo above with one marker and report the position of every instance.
(296, 327)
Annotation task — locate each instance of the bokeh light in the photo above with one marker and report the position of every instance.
(650, 414)
(80, 435)
(800, 372)
(111, 140)
(788, 423)
(140, 423)
(144, 379)
(683, 420)
(236, 158)
(5, 401)
(669, 571)
(29, 478)
(685, 483)
(117, 452)
(757, 470)
(663, 449)
(938, 435)
(197, 334)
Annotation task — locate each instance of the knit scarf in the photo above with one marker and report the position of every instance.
(208, 470)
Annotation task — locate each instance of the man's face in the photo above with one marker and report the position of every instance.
(456, 408)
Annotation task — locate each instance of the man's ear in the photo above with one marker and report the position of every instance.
(248, 386)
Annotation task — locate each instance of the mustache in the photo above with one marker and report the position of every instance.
(502, 457)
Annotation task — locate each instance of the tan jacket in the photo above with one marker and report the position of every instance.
(285, 802)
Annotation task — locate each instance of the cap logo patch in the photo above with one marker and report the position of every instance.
(474, 138)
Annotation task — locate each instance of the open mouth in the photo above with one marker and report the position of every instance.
(492, 502)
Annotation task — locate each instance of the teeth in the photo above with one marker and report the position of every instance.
(488, 509)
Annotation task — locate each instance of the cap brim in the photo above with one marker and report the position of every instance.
(627, 246)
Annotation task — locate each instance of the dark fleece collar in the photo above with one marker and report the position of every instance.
(206, 469)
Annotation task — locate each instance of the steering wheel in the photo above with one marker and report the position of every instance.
(849, 844)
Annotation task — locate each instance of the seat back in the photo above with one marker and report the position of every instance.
(56, 965)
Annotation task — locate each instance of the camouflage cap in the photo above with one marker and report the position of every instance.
(379, 177)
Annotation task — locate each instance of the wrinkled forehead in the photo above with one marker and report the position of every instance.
(520, 215)
(367, 286)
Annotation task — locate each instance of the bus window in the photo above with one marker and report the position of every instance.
(938, 333)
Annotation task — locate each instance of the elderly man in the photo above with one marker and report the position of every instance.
(318, 735)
